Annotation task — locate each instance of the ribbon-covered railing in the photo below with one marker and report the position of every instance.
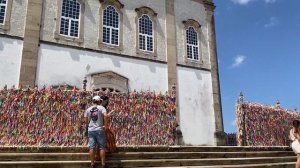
(55, 117)
(263, 125)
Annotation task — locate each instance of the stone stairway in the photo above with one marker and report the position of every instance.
(147, 156)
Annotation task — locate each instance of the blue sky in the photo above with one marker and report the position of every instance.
(259, 53)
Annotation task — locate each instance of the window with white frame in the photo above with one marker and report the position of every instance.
(70, 18)
(111, 26)
(145, 33)
(3, 5)
(192, 44)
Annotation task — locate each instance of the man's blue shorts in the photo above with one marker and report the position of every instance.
(97, 137)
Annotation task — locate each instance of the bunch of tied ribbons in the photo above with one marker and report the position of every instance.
(55, 117)
(262, 125)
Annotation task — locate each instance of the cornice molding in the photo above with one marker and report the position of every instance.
(209, 5)
(146, 10)
(116, 3)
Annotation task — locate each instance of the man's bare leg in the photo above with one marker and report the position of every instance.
(92, 157)
(97, 153)
(102, 156)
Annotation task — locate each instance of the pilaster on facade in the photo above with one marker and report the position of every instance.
(219, 127)
(31, 43)
(172, 61)
(171, 43)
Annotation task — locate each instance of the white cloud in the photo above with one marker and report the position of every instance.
(238, 60)
(272, 22)
(229, 8)
(270, 1)
(233, 123)
(245, 2)
(241, 2)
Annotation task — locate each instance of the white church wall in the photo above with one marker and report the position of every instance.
(196, 106)
(10, 61)
(60, 65)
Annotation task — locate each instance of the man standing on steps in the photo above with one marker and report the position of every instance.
(95, 116)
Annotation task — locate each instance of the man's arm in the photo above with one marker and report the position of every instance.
(105, 117)
(105, 120)
(103, 110)
(110, 113)
(86, 123)
(292, 136)
(297, 136)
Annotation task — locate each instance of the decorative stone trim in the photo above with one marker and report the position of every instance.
(153, 17)
(6, 25)
(197, 27)
(108, 79)
(57, 34)
(206, 3)
(163, 62)
(118, 6)
(199, 1)
(209, 6)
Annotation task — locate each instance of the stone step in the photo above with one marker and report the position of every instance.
(150, 162)
(201, 149)
(200, 162)
(139, 155)
(197, 155)
(78, 149)
(273, 165)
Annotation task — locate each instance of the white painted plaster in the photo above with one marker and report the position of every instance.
(58, 66)
(10, 61)
(196, 106)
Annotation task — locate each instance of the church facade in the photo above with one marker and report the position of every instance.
(121, 45)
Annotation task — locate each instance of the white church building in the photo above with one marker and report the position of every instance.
(125, 45)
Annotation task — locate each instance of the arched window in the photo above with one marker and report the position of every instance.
(146, 33)
(192, 44)
(111, 26)
(3, 6)
(192, 36)
(70, 18)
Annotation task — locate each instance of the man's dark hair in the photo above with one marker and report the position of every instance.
(104, 97)
(296, 123)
